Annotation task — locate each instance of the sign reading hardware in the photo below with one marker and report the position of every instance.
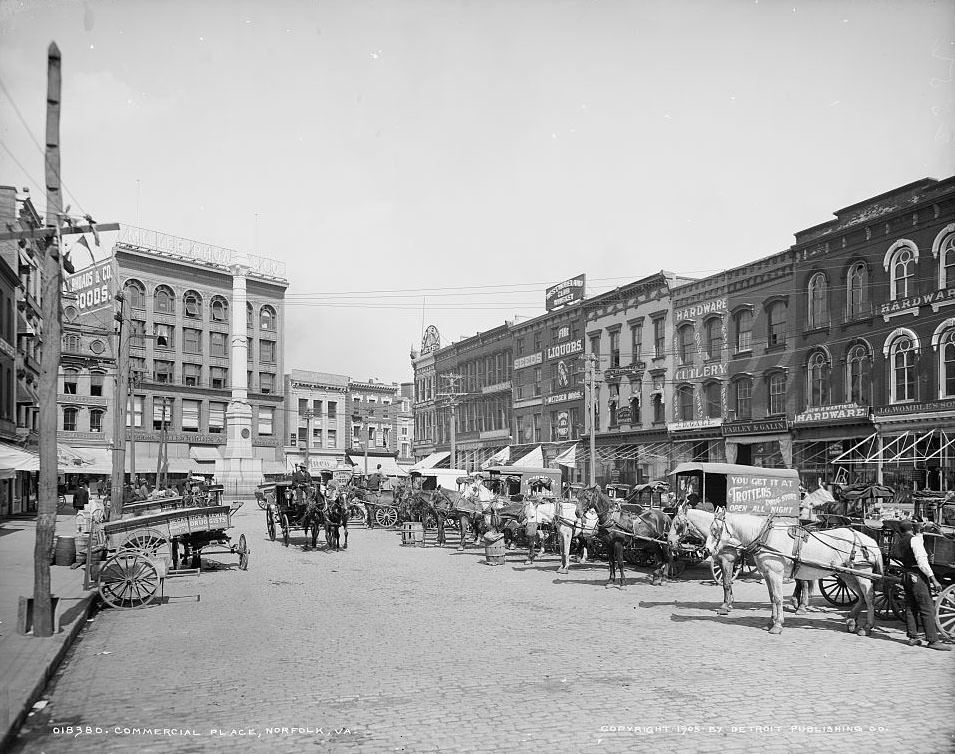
(570, 395)
(829, 413)
(565, 293)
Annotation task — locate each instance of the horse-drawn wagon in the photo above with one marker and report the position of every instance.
(291, 505)
(143, 546)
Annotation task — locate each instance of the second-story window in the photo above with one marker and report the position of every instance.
(685, 345)
(744, 330)
(659, 338)
(191, 340)
(776, 324)
(615, 348)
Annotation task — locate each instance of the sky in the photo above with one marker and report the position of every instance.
(442, 162)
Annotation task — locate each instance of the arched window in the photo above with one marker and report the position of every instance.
(818, 301)
(776, 385)
(857, 375)
(818, 379)
(96, 419)
(743, 321)
(712, 397)
(163, 300)
(192, 305)
(902, 369)
(776, 324)
(249, 315)
(69, 419)
(267, 318)
(946, 362)
(857, 291)
(902, 273)
(743, 389)
(72, 343)
(685, 344)
(946, 262)
(219, 309)
(135, 293)
(684, 403)
(714, 337)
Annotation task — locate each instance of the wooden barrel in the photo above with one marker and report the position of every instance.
(65, 552)
(82, 543)
(412, 533)
(495, 552)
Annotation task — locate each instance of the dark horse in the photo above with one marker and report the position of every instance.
(427, 507)
(314, 516)
(336, 519)
(616, 529)
(468, 514)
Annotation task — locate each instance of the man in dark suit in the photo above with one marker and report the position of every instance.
(81, 497)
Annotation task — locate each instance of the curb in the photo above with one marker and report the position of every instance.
(20, 710)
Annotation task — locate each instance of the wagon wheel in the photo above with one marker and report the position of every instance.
(386, 517)
(430, 521)
(716, 568)
(128, 580)
(243, 550)
(285, 529)
(945, 612)
(836, 592)
(450, 523)
(146, 541)
(270, 522)
(890, 597)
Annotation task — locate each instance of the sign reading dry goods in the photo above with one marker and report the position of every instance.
(565, 293)
(92, 287)
(762, 495)
(830, 413)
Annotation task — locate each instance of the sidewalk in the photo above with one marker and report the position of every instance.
(27, 663)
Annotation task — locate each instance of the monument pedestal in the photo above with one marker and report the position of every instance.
(239, 476)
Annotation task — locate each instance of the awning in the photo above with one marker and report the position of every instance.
(568, 457)
(389, 467)
(95, 462)
(205, 453)
(67, 457)
(26, 394)
(441, 459)
(534, 459)
(908, 447)
(13, 458)
(498, 459)
(643, 452)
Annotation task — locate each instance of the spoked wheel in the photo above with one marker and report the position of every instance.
(286, 529)
(430, 521)
(149, 542)
(386, 517)
(945, 612)
(836, 592)
(890, 597)
(716, 568)
(128, 580)
(243, 551)
(270, 522)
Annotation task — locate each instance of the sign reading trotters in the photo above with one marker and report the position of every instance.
(565, 293)
(762, 495)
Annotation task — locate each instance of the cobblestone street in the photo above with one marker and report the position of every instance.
(385, 648)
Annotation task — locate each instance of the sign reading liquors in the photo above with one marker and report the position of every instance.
(830, 413)
(569, 348)
(762, 495)
(566, 292)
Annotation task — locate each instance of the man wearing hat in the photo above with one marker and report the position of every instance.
(917, 576)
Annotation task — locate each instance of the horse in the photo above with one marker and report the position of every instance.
(615, 528)
(469, 514)
(425, 506)
(314, 517)
(696, 523)
(336, 519)
(778, 546)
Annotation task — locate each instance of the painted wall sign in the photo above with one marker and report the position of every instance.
(431, 340)
(755, 427)
(624, 415)
(529, 361)
(565, 293)
(569, 348)
(716, 306)
(694, 424)
(914, 302)
(92, 287)
(684, 374)
(762, 495)
(570, 395)
(829, 413)
(899, 409)
(563, 375)
(563, 425)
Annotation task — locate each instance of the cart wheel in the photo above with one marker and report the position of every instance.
(386, 517)
(270, 522)
(677, 567)
(146, 541)
(835, 591)
(243, 550)
(263, 503)
(945, 612)
(890, 596)
(716, 568)
(285, 529)
(128, 580)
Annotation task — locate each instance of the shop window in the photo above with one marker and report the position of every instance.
(684, 402)
(743, 321)
(857, 291)
(818, 307)
(857, 375)
(818, 370)
(69, 419)
(164, 301)
(192, 305)
(776, 324)
(685, 344)
(777, 394)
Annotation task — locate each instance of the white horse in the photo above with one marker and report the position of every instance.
(559, 514)
(697, 523)
(779, 547)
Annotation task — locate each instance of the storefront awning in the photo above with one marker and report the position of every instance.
(908, 447)
(98, 462)
(643, 452)
(27, 394)
(389, 467)
(499, 458)
(568, 457)
(13, 458)
(534, 459)
(204, 453)
(438, 460)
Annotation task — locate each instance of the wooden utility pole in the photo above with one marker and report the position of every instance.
(452, 396)
(593, 419)
(119, 401)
